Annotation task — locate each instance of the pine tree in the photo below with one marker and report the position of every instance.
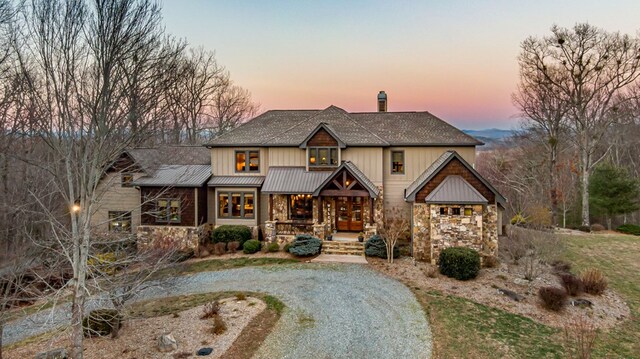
(613, 191)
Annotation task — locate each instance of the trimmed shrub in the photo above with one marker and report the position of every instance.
(220, 248)
(571, 283)
(553, 298)
(230, 233)
(251, 246)
(629, 229)
(596, 227)
(273, 247)
(286, 247)
(101, 322)
(594, 281)
(305, 245)
(233, 246)
(460, 263)
(375, 247)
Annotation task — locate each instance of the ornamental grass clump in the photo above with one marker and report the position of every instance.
(594, 281)
(571, 283)
(460, 263)
(553, 298)
(305, 245)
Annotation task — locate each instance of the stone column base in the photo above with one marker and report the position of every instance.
(270, 231)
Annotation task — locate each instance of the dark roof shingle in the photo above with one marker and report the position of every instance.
(292, 127)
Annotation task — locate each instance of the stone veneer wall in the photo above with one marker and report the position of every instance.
(421, 232)
(378, 208)
(280, 207)
(490, 231)
(170, 237)
(456, 231)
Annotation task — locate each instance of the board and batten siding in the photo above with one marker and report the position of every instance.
(223, 161)
(368, 160)
(287, 156)
(416, 161)
(116, 198)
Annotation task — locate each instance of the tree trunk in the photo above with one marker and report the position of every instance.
(585, 189)
(76, 323)
(1, 333)
(553, 190)
(609, 222)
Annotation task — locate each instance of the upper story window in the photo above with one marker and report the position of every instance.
(126, 180)
(248, 161)
(323, 156)
(397, 162)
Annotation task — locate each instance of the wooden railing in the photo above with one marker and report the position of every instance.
(294, 227)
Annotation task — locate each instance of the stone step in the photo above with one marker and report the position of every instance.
(343, 251)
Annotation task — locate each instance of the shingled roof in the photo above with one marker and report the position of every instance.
(151, 159)
(292, 127)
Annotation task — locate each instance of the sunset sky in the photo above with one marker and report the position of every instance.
(456, 59)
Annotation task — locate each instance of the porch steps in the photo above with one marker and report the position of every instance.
(343, 247)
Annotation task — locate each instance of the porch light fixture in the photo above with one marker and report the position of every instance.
(75, 208)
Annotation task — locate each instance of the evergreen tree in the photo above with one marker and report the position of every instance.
(613, 191)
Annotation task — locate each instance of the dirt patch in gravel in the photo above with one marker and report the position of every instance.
(138, 338)
(608, 309)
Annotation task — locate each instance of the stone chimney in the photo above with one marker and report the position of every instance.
(382, 102)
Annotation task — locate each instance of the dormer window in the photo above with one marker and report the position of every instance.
(126, 180)
(248, 161)
(323, 156)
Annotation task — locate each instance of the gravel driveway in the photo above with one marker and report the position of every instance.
(333, 311)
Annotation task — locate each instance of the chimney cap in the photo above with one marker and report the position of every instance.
(382, 95)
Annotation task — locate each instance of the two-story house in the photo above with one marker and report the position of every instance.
(330, 171)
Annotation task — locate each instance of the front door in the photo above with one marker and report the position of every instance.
(349, 214)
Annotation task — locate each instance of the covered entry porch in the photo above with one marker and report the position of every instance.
(321, 203)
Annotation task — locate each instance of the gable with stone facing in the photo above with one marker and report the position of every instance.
(453, 206)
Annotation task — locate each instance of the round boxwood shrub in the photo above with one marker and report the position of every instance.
(629, 229)
(375, 247)
(460, 263)
(251, 246)
(305, 245)
(231, 233)
(101, 322)
(273, 247)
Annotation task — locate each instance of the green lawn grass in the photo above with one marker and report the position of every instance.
(618, 256)
(465, 329)
(210, 265)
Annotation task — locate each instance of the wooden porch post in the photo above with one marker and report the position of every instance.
(370, 210)
(270, 207)
(320, 210)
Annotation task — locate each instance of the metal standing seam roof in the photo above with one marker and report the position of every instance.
(455, 190)
(293, 180)
(176, 176)
(374, 191)
(231, 181)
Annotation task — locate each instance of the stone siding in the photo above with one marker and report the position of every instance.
(170, 237)
(421, 248)
(490, 231)
(280, 207)
(449, 230)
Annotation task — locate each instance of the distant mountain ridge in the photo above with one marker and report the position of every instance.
(494, 133)
(491, 136)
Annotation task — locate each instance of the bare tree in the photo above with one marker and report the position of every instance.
(395, 227)
(75, 56)
(544, 109)
(591, 70)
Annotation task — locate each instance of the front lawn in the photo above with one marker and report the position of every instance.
(618, 256)
(465, 329)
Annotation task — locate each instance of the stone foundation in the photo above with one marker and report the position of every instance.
(490, 231)
(170, 237)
